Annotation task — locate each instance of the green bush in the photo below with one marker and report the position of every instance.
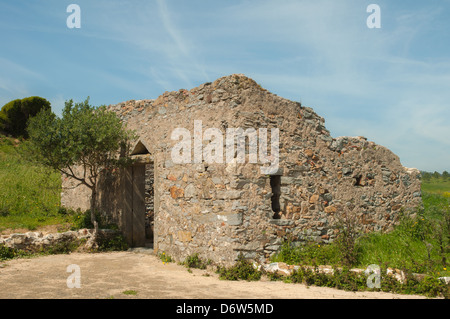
(3, 120)
(7, 253)
(117, 243)
(243, 269)
(15, 114)
(82, 220)
(195, 261)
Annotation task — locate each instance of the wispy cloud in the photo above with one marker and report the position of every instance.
(14, 78)
(390, 85)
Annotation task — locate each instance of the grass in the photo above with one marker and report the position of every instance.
(440, 186)
(29, 194)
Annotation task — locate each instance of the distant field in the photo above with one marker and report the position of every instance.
(437, 186)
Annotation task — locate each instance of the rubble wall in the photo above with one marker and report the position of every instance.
(222, 209)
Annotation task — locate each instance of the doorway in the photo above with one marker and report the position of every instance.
(149, 205)
(139, 205)
(139, 199)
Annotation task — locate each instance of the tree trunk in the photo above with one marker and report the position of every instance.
(92, 243)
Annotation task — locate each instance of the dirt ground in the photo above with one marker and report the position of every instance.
(108, 275)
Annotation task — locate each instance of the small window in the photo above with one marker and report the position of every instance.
(275, 184)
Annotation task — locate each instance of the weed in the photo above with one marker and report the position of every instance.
(347, 225)
(195, 261)
(7, 253)
(243, 269)
(130, 292)
(165, 258)
(65, 247)
(116, 243)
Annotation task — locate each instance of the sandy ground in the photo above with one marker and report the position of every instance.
(108, 275)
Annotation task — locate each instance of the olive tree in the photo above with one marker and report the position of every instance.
(81, 144)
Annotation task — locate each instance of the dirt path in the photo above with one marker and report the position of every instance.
(107, 275)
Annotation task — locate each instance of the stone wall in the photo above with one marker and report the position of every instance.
(221, 210)
(37, 241)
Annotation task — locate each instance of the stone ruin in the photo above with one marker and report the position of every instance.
(220, 210)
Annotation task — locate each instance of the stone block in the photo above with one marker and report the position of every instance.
(229, 194)
(176, 192)
(314, 198)
(184, 236)
(281, 222)
(190, 191)
(330, 210)
(231, 219)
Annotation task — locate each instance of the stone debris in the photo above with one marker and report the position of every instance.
(37, 241)
(284, 269)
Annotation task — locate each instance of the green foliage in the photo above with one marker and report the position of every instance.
(85, 135)
(117, 243)
(130, 292)
(7, 253)
(3, 122)
(194, 261)
(165, 258)
(345, 242)
(65, 247)
(346, 279)
(436, 183)
(29, 193)
(242, 270)
(307, 254)
(82, 220)
(15, 114)
(343, 279)
(84, 142)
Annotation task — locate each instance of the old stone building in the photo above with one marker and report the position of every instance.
(226, 205)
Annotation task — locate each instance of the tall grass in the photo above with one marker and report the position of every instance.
(29, 193)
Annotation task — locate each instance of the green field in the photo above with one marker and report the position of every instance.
(438, 186)
(29, 193)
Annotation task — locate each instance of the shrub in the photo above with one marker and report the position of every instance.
(195, 261)
(15, 114)
(7, 253)
(3, 121)
(243, 269)
(117, 243)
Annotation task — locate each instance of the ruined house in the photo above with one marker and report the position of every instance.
(221, 209)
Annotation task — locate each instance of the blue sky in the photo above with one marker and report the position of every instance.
(391, 84)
